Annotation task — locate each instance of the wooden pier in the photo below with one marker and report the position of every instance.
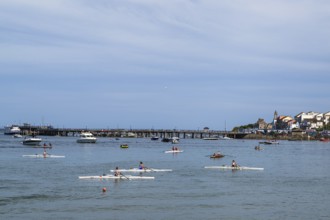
(134, 133)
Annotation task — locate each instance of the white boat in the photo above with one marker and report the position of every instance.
(86, 137)
(233, 168)
(173, 151)
(11, 130)
(225, 138)
(175, 140)
(131, 135)
(17, 136)
(32, 141)
(137, 170)
(44, 156)
(109, 176)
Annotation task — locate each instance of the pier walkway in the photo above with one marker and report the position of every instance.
(138, 133)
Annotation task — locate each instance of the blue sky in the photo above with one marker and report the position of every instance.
(162, 64)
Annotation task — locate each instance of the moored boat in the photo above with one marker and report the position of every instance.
(17, 136)
(225, 138)
(175, 140)
(268, 142)
(11, 130)
(217, 156)
(33, 141)
(324, 139)
(166, 140)
(124, 146)
(154, 138)
(86, 137)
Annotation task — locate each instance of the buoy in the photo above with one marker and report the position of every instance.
(104, 189)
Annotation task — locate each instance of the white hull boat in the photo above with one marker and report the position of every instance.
(44, 156)
(86, 137)
(137, 170)
(32, 141)
(11, 130)
(225, 167)
(17, 136)
(127, 177)
(225, 138)
(173, 151)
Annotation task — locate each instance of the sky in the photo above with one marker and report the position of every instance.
(146, 64)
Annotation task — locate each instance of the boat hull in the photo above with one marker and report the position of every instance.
(137, 170)
(43, 156)
(216, 156)
(84, 141)
(173, 151)
(11, 130)
(129, 177)
(224, 167)
(32, 141)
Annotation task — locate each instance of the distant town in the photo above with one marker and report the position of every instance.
(304, 126)
(309, 121)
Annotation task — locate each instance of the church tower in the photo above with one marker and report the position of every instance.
(275, 120)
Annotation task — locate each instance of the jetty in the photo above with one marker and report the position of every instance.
(133, 133)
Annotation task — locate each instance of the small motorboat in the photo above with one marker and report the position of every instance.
(124, 146)
(214, 156)
(86, 137)
(154, 138)
(32, 141)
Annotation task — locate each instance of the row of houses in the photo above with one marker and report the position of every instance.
(303, 120)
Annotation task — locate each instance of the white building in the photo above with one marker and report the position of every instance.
(312, 120)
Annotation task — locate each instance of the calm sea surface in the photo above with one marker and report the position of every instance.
(294, 185)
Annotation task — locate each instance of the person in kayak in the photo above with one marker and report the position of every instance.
(117, 172)
(234, 164)
(175, 148)
(217, 154)
(141, 166)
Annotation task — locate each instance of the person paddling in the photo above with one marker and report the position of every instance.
(117, 172)
(234, 164)
(141, 166)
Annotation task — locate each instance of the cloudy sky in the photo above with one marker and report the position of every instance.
(182, 64)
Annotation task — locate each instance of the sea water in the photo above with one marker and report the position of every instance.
(295, 182)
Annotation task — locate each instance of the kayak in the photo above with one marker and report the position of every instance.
(44, 156)
(173, 151)
(109, 176)
(216, 156)
(143, 170)
(233, 168)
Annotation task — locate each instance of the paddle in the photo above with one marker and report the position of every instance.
(124, 176)
(147, 168)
